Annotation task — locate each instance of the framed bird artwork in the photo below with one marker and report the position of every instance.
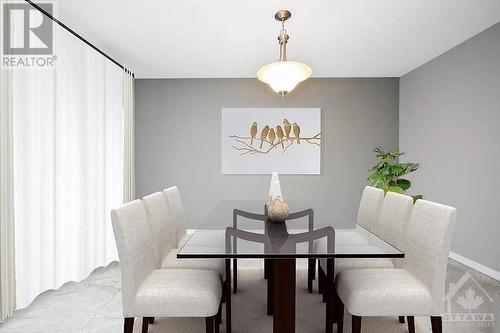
(266, 140)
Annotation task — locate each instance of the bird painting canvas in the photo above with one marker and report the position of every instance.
(266, 140)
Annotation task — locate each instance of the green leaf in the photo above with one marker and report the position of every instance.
(396, 170)
(403, 183)
(417, 197)
(377, 181)
(396, 189)
(385, 172)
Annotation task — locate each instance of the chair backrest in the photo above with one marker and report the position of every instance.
(162, 225)
(393, 220)
(174, 204)
(135, 250)
(369, 207)
(427, 246)
(394, 217)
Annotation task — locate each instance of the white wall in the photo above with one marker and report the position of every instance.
(450, 122)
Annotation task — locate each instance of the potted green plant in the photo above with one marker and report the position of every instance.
(388, 172)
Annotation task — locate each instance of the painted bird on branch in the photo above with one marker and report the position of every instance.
(263, 135)
(279, 134)
(272, 136)
(253, 132)
(296, 132)
(287, 127)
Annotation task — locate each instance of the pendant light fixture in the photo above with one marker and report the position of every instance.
(283, 75)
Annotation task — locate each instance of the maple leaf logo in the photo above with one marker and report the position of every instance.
(470, 301)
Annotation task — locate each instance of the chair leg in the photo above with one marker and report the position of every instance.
(340, 309)
(356, 324)
(145, 324)
(128, 325)
(223, 299)
(437, 324)
(314, 264)
(311, 273)
(330, 296)
(325, 283)
(209, 324)
(411, 324)
(401, 319)
(228, 295)
(218, 319)
(217, 325)
(320, 281)
(337, 304)
(235, 276)
(266, 269)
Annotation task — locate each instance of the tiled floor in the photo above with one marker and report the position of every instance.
(94, 305)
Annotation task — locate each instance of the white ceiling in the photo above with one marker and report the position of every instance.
(233, 38)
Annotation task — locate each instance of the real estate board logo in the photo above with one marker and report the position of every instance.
(27, 35)
(468, 305)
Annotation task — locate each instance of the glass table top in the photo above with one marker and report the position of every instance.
(241, 229)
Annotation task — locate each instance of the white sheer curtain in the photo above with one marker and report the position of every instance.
(128, 128)
(7, 256)
(68, 160)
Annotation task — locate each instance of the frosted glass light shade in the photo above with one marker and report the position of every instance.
(283, 76)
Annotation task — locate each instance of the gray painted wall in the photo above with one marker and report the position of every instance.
(450, 122)
(178, 138)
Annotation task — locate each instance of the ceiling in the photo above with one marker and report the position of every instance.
(233, 38)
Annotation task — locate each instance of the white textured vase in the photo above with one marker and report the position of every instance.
(277, 209)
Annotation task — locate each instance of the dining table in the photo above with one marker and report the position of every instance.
(241, 229)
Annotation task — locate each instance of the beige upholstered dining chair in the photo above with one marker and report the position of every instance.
(162, 227)
(176, 209)
(369, 207)
(391, 226)
(393, 218)
(416, 289)
(166, 220)
(148, 291)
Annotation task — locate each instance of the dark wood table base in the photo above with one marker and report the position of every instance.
(281, 294)
(283, 307)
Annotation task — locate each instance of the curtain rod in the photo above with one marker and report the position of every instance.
(78, 36)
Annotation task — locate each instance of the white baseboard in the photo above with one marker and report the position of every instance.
(475, 265)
